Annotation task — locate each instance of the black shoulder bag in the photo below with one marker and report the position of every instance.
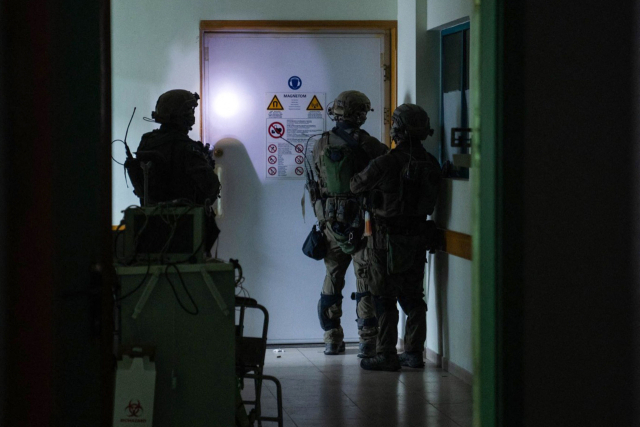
(315, 246)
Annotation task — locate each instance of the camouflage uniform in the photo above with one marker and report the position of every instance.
(336, 260)
(408, 233)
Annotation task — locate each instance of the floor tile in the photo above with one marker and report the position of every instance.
(331, 413)
(461, 413)
(320, 390)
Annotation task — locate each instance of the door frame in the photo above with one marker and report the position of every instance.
(497, 245)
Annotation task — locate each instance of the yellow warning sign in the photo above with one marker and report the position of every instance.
(314, 104)
(275, 104)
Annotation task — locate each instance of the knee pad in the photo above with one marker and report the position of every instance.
(410, 304)
(369, 322)
(384, 305)
(357, 296)
(326, 302)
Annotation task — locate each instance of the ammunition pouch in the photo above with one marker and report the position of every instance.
(314, 191)
(341, 209)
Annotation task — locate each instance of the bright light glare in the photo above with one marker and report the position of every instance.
(226, 104)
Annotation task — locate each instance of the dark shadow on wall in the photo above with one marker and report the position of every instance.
(240, 186)
(239, 220)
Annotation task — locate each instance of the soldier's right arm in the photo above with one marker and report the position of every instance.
(369, 178)
(373, 147)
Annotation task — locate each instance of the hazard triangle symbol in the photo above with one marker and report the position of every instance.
(275, 104)
(315, 104)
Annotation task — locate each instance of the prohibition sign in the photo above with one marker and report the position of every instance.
(299, 159)
(299, 148)
(272, 148)
(299, 170)
(273, 160)
(272, 171)
(276, 130)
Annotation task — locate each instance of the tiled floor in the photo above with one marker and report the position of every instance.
(333, 391)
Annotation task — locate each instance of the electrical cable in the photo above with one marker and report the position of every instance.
(112, 158)
(126, 147)
(175, 293)
(139, 285)
(174, 226)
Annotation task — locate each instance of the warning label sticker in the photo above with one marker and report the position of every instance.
(292, 118)
(275, 104)
(315, 105)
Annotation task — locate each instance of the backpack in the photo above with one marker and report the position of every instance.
(419, 186)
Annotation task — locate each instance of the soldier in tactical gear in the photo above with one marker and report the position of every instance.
(181, 169)
(338, 155)
(403, 186)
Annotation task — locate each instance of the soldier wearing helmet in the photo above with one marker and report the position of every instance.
(403, 186)
(181, 169)
(338, 155)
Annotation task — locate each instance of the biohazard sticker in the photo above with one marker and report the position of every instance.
(315, 105)
(292, 118)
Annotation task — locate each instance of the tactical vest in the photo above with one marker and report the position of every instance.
(339, 207)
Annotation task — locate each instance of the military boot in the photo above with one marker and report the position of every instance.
(411, 359)
(381, 362)
(367, 348)
(333, 348)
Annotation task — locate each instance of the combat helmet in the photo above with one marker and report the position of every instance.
(176, 107)
(410, 122)
(351, 106)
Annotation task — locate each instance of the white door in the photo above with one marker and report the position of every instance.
(261, 221)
